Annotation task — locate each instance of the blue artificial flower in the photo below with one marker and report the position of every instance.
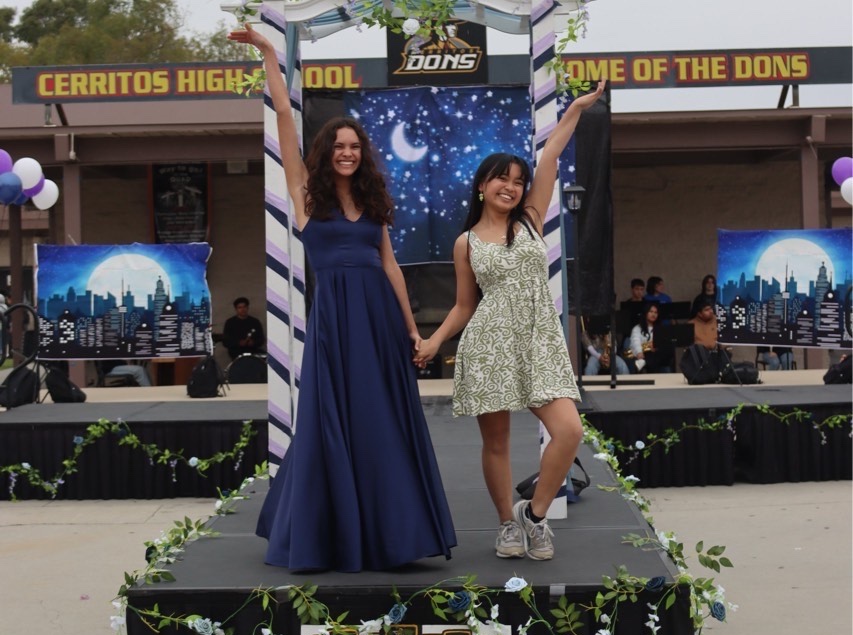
(718, 611)
(77, 440)
(655, 584)
(459, 601)
(395, 615)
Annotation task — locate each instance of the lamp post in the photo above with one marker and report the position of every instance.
(572, 200)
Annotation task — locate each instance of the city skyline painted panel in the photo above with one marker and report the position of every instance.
(786, 287)
(123, 301)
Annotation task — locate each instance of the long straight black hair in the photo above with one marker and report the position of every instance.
(491, 167)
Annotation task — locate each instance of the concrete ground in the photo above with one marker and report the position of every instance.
(61, 562)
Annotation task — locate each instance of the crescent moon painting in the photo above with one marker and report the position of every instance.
(402, 148)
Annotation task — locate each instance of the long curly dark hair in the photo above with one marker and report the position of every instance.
(491, 167)
(369, 192)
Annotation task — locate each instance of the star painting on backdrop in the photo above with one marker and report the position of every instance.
(431, 141)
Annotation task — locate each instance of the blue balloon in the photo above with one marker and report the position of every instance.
(10, 187)
(22, 198)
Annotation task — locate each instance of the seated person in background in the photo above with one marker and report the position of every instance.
(243, 333)
(704, 323)
(600, 351)
(776, 357)
(114, 367)
(654, 291)
(708, 294)
(643, 349)
(635, 303)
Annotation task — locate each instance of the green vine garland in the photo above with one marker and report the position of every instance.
(458, 599)
(126, 437)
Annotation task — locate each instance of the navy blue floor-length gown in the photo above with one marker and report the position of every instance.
(359, 487)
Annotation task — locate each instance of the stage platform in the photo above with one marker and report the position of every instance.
(217, 574)
(763, 450)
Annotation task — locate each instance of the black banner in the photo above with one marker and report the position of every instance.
(180, 202)
(687, 69)
(595, 219)
(460, 58)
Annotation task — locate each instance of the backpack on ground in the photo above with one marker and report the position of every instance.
(577, 475)
(740, 373)
(21, 387)
(206, 379)
(61, 389)
(840, 373)
(699, 365)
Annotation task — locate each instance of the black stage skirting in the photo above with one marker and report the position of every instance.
(761, 450)
(42, 435)
(216, 575)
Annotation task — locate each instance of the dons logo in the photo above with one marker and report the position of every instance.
(441, 54)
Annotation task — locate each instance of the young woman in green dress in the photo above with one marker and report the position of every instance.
(512, 354)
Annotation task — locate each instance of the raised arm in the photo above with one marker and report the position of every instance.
(546, 169)
(295, 172)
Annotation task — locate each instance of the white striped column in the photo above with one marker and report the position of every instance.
(285, 256)
(543, 90)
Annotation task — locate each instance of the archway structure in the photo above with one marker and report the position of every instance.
(286, 23)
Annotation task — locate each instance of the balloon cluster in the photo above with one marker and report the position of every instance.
(842, 173)
(23, 180)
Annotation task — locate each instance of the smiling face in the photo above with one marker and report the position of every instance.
(503, 192)
(346, 152)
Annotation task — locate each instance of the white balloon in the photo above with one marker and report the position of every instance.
(28, 170)
(847, 190)
(48, 196)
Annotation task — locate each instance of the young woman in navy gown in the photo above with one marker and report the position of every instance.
(359, 487)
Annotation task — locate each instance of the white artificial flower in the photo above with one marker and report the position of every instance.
(411, 26)
(26, 466)
(193, 461)
(601, 456)
(603, 631)
(639, 445)
(632, 479)
(515, 584)
(605, 618)
(370, 626)
(218, 504)
(495, 610)
(116, 622)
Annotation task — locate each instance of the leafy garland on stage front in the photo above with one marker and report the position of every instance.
(460, 599)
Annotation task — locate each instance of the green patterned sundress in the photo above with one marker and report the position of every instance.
(512, 355)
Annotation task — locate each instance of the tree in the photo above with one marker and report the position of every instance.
(64, 32)
(7, 16)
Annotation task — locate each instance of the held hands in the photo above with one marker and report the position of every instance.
(425, 351)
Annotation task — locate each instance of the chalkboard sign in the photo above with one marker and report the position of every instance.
(180, 202)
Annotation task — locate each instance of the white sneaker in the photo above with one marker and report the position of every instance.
(537, 536)
(509, 543)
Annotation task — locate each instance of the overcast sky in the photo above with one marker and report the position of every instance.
(635, 25)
